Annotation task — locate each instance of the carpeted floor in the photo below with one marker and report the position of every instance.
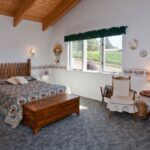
(92, 130)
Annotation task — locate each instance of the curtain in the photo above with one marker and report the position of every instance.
(96, 34)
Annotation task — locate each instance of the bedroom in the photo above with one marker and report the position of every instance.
(87, 15)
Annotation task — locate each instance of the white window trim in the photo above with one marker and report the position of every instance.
(84, 55)
(102, 55)
(84, 61)
(68, 55)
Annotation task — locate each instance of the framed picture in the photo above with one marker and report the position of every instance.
(143, 53)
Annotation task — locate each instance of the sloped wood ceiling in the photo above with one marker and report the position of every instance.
(46, 12)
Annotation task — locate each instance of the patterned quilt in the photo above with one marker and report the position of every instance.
(13, 96)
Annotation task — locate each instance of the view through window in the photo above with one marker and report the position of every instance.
(93, 54)
(96, 54)
(112, 61)
(76, 55)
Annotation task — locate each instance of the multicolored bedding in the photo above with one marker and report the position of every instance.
(13, 96)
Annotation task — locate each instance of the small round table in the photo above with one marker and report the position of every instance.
(145, 96)
(145, 93)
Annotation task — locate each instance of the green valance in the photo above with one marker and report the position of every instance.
(96, 34)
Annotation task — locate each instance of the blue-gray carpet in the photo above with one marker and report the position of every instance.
(92, 130)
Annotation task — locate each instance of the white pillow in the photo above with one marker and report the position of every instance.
(21, 80)
(12, 80)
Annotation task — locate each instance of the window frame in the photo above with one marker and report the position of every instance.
(84, 57)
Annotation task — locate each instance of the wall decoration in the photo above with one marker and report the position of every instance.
(46, 67)
(58, 49)
(133, 44)
(147, 72)
(139, 72)
(136, 72)
(128, 71)
(143, 53)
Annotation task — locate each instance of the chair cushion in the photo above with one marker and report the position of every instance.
(121, 87)
(123, 100)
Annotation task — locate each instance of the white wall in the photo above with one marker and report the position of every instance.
(15, 42)
(98, 14)
(82, 83)
(88, 84)
(87, 15)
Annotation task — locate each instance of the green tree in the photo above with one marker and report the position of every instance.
(93, 45)
(77, 45)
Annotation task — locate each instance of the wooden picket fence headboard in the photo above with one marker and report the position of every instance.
(8, 70)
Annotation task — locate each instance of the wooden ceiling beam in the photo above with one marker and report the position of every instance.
(60, 11)
(25, 5)
(5, 12)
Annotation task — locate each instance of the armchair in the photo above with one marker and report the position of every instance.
(123, 97)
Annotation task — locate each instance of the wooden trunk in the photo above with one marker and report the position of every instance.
(42, 112)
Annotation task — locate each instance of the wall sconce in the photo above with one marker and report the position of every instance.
(32, 52)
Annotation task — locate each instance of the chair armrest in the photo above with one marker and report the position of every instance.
(134, 93)
(131, 90)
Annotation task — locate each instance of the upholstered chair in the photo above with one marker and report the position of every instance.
(123, 98)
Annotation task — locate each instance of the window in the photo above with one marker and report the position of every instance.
(112, 58)
(99, 54)
(76, 52)
(93, 47)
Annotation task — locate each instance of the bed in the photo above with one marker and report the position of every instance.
(12, 97)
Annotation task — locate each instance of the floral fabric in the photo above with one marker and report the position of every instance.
(13, 96)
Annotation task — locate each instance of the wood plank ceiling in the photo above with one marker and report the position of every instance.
(46, 12)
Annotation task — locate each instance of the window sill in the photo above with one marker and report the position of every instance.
(95, 72)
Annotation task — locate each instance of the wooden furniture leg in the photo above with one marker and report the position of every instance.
(78, 113)
(134, 115)
(110, 114)
(36, 131)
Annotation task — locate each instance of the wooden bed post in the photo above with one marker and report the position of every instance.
(29, 67)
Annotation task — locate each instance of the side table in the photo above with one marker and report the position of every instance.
(144, 103)
(145, 97)
(145, 93)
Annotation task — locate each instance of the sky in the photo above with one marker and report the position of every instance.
(116, 41)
